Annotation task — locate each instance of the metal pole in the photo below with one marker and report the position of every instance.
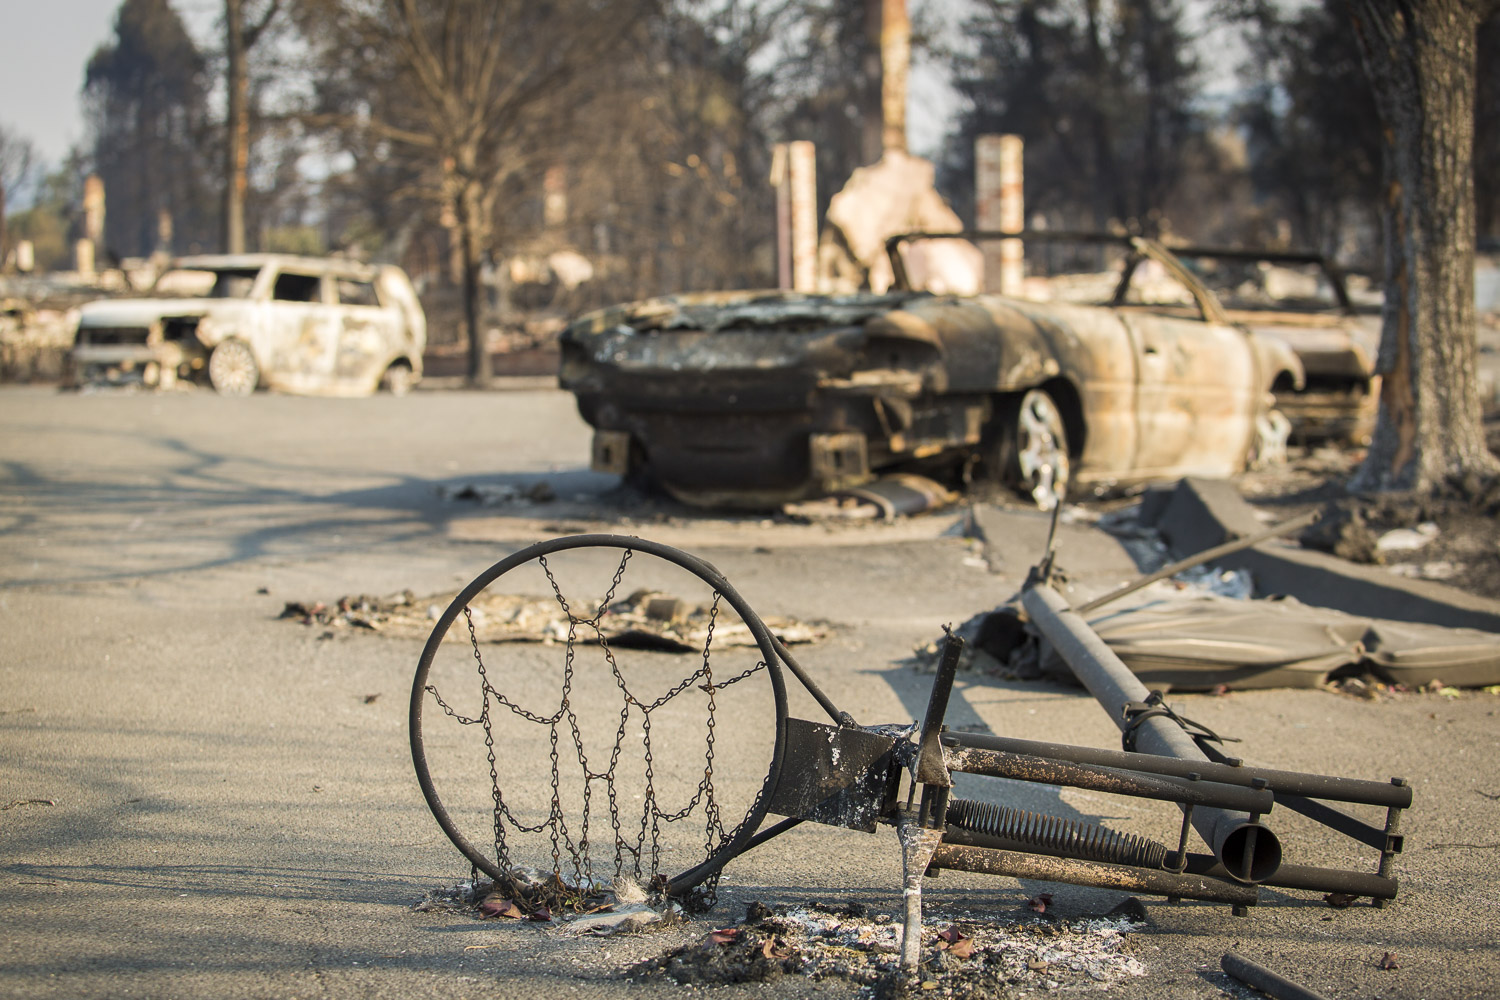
(1207, 555)
(1263, 979)
(1048, 869)
(1247, 849)
(1313, 786)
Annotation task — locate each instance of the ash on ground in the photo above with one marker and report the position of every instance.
(593, 908)
(961, 957)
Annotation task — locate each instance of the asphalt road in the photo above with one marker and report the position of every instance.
(202, 800)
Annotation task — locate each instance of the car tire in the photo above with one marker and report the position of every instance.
(397, 379)
(1030, 448)
(232, 370)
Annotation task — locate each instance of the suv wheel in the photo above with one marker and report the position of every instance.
(232, 369)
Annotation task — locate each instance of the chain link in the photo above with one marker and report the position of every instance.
(639, 850)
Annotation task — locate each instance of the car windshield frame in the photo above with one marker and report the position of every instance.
(1137, 250)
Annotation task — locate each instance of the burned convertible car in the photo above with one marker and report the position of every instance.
(305, 325)
(751, 399)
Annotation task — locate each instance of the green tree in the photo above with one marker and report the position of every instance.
(145, 96)
(1103, 94)
(47, 223)
(1313, 131)
(16, 157)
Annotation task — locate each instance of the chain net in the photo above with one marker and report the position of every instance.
(606, 818)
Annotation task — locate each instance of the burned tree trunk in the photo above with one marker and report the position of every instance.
(1420, 57)
(473, 216)
(239, 39)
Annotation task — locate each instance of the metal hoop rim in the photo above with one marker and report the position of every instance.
(700, 568)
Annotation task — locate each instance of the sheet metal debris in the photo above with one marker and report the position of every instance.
(1204, 641)
(887, 498)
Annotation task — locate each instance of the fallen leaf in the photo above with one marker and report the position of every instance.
(1036, 966)
(962, 948)
(1388, 961)
(1339, 900)
(541, 914)
(952, 934)
(493, 907)
(1040, 902)
(724, 935)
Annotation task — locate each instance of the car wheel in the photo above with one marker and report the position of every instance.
(1031, 445)
(232, 369)
(397, 380)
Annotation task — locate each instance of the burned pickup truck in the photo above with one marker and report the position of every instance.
(756, 398)
(303, 325)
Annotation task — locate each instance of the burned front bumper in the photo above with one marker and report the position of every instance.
(731, 449)
(132, 356)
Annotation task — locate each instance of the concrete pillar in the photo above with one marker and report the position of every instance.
(83, 258)
(555, 196)
(780, 181)
(895, 68)
(998, 185)
(802, 178)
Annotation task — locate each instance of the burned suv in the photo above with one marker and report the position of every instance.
(303, 325)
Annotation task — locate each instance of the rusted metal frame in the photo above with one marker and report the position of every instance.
(1020, 767)
(838, 715)
(1208, 302)
(898, 266)
(931, 766)
(1393, 842)
(1307, 878)
(1312, 786)
(1248, 849)
(1350, 826)
(1330, 268)
(1198, 559)
(1093, 873)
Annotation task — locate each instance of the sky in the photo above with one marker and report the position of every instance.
(47, 43)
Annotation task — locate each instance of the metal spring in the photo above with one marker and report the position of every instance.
(1055, 835)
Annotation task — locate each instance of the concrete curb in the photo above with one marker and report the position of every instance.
(499, 383)
(1201, 513)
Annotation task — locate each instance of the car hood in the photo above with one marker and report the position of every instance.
(140, 312)
(713, 311)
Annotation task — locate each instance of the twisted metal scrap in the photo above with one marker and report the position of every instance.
(637, 842)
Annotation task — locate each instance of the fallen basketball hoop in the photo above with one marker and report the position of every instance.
(607, 762)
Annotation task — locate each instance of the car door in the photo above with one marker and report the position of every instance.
(302, 323)
(1196, 392)
(368, 335)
